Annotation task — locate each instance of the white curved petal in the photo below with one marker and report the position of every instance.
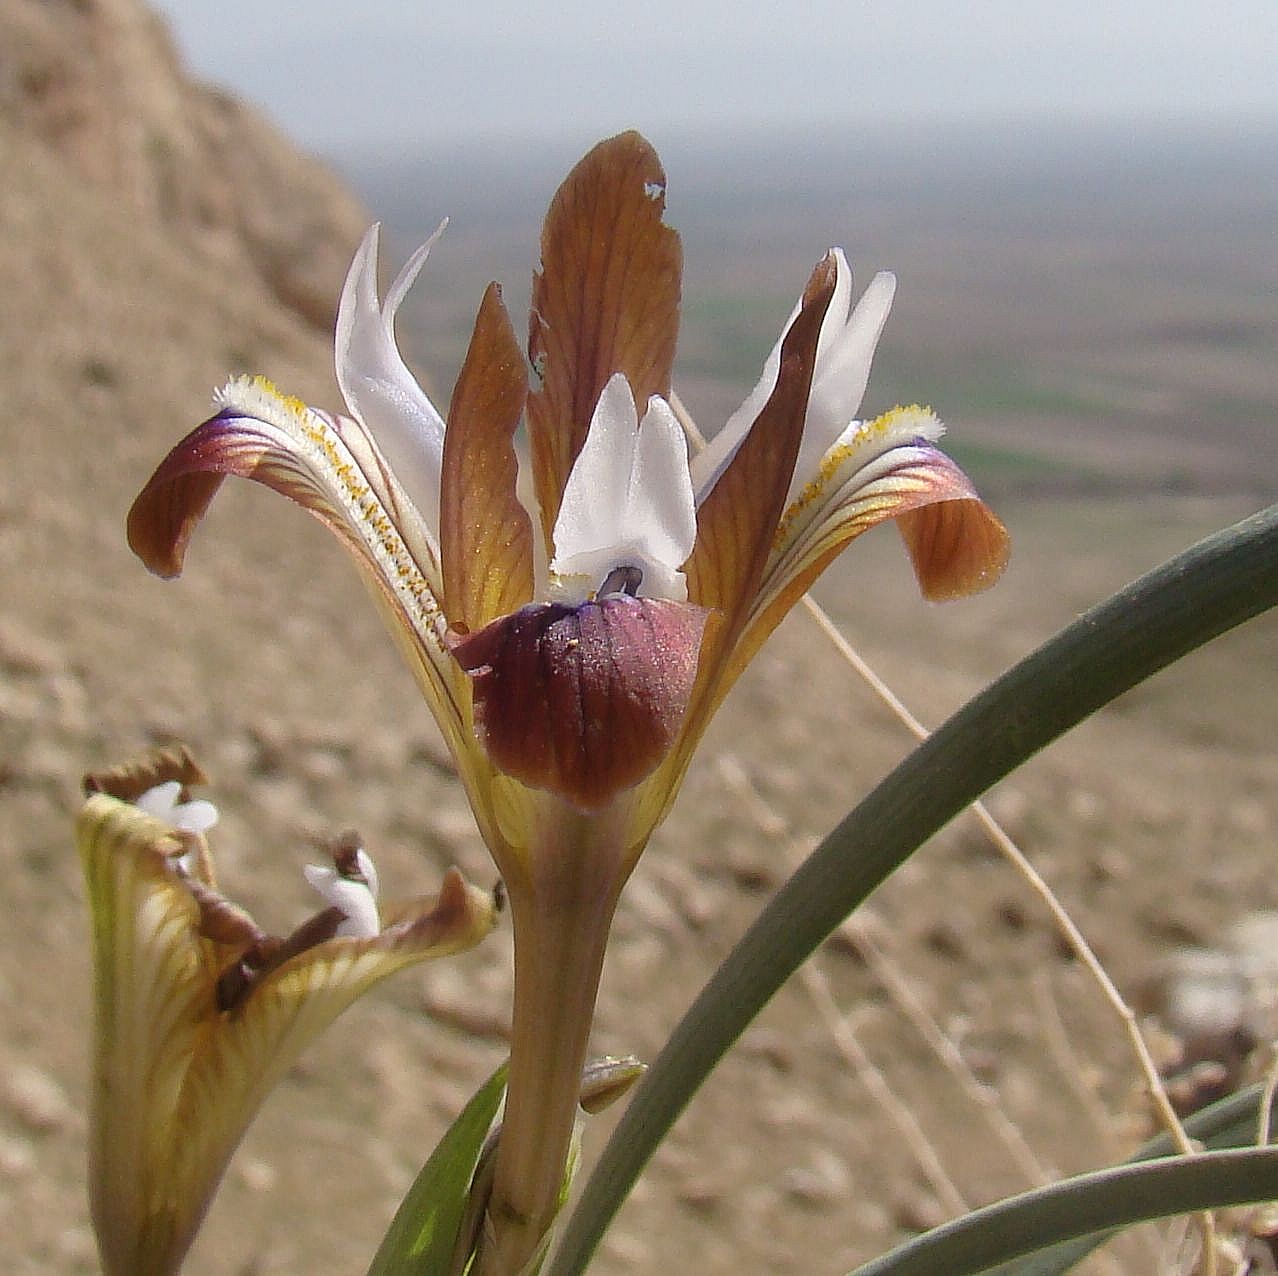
(845, 350)
(159, 801)
(378, 387)
(842, 373)
(713, 459)
(353, 899)
(366, 866)
(194, 817)
(628, 501)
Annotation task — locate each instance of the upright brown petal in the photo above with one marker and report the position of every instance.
(606, 300)
(737, 520)
(485, 534)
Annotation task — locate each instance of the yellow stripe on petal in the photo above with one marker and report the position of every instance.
(151, 996)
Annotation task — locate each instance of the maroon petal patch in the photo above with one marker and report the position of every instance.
(585, 700)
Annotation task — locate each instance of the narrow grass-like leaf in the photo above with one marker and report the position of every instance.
(421, 1235)
(1101, 1201)
(1215, 585)
(1229, 1123)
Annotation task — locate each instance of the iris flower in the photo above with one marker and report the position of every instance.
(575, 614)
(198, 1011)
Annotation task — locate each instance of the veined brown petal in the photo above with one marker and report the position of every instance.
(485, 534)
(330, 468)
(584, 700)
(606, 300)
(737, 520)
(959, 548)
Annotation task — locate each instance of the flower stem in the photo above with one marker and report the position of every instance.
(561, 920)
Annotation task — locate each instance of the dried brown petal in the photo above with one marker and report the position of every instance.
(130, 780)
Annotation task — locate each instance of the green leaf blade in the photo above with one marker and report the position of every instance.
(989, 1238)
(422, 1234)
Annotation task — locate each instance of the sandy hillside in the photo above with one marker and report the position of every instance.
(132, 286)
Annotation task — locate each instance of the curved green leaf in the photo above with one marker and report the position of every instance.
(422, 1234)
(1219, 583)
(1230, 1123)
(1096, 1202)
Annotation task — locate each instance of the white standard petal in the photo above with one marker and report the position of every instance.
(353, 899)
(836, 313)
(628, 503)
(661, 511)
(842, 373)
(845, 350)
(376, 384)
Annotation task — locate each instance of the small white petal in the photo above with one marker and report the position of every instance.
(366, 866)
(353, 899)
(159, 801)
(194, 817)
(628, 501)
(378, 387)
(719, 450)
(661, 512)
(836, 313)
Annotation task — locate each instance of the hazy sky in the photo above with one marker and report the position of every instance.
(391, 72)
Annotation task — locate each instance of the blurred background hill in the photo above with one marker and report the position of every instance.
(1093, 314)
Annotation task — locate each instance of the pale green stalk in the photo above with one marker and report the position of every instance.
(561, 914)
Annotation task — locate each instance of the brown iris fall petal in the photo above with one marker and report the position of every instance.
(583, 700)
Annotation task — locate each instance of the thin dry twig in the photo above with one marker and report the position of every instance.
(889, 978)
(1065, 924)
(813, 980)
(1263, 1131)
(1068, 1063)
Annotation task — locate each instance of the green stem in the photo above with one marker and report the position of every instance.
(1213, 586)
(561, 919)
